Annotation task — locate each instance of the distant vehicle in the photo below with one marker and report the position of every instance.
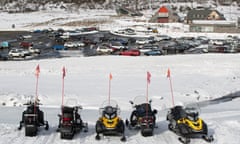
(18, 53)
(123, 42)
(153, 53)
(127, 31)
(34, 50)
(59, 47)
(148, 47)
(25, 44)
(162, 37)
(5, 44)
(74, 44)
(3, 57)
(142, 41)
(117, 45)
(23, 37)
(105, 48)
(203, 39)
(216, 42)
(130, 52)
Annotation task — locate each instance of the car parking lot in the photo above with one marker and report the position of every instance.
(48, 43)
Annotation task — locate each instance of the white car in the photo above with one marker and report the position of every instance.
(34, 50)
(74, 44)
(18, 53)
(142, 41)
(104, 49)
(161, 37)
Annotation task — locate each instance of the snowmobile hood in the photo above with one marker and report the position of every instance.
(194, 125)
(110, 123)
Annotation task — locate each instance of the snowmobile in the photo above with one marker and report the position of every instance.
(186, 123)
(70, 122)
(109, 123)
(142, 117)
(32, 118)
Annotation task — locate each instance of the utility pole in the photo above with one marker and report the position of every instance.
(136, 5)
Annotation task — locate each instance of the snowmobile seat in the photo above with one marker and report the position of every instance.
(178, 113)
(144, 109)
(67, 109)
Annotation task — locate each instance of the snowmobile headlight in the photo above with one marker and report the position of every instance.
(113, 116)
(107, 116)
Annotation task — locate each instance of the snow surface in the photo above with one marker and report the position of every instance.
(194, 77)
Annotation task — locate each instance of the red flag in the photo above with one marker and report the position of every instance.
(110, 76)
(37, 71)
(148, 77)
(168, 73)
(64, 72)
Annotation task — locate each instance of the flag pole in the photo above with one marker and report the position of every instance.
(109, 88)
(63, 75)
(37, 72)
(148, 82)
(170, 81)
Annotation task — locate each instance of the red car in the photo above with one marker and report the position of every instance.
(26, 44)
(131, 52)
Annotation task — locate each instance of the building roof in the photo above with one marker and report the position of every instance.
(163, 9)
(203, 14)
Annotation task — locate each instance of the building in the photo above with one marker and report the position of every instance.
(127, 11)
(218, 26)
(225, 2)
(203, 14)
(164, 15)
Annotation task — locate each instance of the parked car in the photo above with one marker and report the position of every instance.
(197, 50)
(121, 41)
(25, 44)
(117, 45)
(23, 37)
(148, 47)
(130, 52)
(154, 52)
(59, 47)
(34, 50)
(104, 48)
(142, 41)
(5, 44)
(217, 42)
(74, 44)
(162, 37)
(3, 57)
(21, 53)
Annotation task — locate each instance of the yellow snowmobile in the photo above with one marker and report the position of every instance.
(186, 123)
(109, 123)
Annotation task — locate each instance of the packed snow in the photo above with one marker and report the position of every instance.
(195, 78)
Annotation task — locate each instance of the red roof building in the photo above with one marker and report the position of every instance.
(163, 15)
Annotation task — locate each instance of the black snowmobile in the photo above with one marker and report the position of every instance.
(70, 122)
(109, 123)
(186, 123)
(32, 118)
(142, 117)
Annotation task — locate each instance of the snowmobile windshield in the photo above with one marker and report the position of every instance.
(192, 113)
(110, 107)
(138, 100)
(72, 103)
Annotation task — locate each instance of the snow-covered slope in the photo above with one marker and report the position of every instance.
(195, 78)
